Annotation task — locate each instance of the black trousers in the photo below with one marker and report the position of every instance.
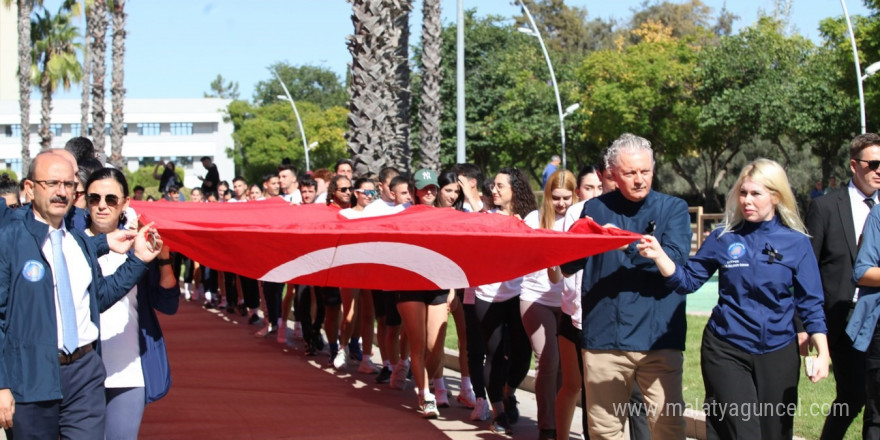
(871, 427)
(230, 279)
(476, 351)
(749, 396)
(848, 365)
(302, 311)
(250, 290)
(272, 293)
(508, 350)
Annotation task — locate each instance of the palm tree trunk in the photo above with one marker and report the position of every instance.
(117, 89)
(25, 7)
(87, 75)
(98, 16)
(46, 111)
(430, 108)
(399, 123)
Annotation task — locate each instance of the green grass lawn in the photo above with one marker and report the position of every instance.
(811, 396)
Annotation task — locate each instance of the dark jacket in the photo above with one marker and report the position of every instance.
(626, 303)
(154, 359)
(28, 328)
(834, 238)
(757, 296)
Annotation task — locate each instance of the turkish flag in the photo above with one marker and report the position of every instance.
(420, 248)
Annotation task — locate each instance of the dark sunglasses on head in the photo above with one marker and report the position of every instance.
(345, 190)
(872, 164)
(112, 200)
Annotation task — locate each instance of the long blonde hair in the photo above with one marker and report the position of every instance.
(560, 179)
(770, 174)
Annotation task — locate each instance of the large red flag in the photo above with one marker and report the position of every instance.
(420, 248)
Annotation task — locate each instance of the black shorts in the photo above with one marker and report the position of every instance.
(429, 297)
(330, 295)
(568, 331)
(386, 305)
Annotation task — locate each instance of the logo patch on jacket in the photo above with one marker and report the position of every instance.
(736, 251)
(33, 271)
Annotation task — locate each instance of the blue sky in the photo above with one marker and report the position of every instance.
(176, 48)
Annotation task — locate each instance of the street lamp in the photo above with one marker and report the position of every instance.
(871, 70)
(288, 98)
(533, 31)
(859, 77)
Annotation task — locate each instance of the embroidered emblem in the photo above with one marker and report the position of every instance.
(736, 251)
(33, 271)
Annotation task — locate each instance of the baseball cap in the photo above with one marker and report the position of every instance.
(425, 177)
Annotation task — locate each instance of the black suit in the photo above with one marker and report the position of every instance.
(835, 242)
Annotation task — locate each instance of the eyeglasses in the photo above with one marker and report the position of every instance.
(53, 184)
(78, 194)
(112, 200)
(872, 164)
(367, 192)
(345, 190)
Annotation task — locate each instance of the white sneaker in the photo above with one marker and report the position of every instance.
(282, 335)
(340, 361)
(187, 291)
(398, 375)
(199, 292)
(429, 407)
(481, 410)
(367, 366)
(263, 332)
(297, 331)
(441, 397)
(467, 398)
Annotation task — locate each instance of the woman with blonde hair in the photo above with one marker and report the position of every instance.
(540, 301)
(767, 273)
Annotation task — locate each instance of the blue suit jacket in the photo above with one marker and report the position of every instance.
(28, 328)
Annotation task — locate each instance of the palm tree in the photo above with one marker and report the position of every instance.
(25, 7)
(54, 62)
(399, 122)
(369, 99)
(378, 133)
(97, 19)
(430, 108)
(87, 74)
(116, 86)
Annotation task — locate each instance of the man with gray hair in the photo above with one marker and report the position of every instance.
(633, 325)
(551, 168)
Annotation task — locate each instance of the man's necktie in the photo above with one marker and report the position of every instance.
(65, 294)
(870, 202)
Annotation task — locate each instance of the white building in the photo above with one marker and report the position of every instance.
(180, 130)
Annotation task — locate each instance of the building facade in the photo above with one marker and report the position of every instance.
(180, 130)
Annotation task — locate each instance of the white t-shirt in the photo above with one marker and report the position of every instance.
(351, 213)
(321, 199)
(536, 286)
(380, 207)
(120, 348)
(295, 197)
(571, 286)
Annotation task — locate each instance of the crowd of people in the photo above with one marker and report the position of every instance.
(608, 329)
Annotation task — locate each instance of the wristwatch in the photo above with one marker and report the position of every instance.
(163, 262)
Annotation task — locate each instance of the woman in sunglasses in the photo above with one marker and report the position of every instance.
(364, 193)
(133, 349)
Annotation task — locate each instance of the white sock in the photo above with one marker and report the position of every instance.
(439, 384)
(466, 383)
(386, 363)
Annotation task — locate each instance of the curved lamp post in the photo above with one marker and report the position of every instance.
(533, 31)
(859, 77)
(302, 132)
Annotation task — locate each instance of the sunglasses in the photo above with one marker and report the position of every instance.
(872, 164)
(367, 192)
(345, 190)
(112, 200)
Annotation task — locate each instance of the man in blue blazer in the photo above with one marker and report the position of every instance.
(51, 294)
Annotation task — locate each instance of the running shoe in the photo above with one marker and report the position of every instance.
(467, 398)
(367, 367)
(429, 408)
(510, 409)
(481, 410)
(384, 375)
(501, 425)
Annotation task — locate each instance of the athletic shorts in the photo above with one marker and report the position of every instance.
(429, 297)
(330, 295)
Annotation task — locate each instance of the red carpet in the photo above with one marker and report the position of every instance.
(229, 384)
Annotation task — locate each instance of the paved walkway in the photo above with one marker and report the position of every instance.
(229, 384)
